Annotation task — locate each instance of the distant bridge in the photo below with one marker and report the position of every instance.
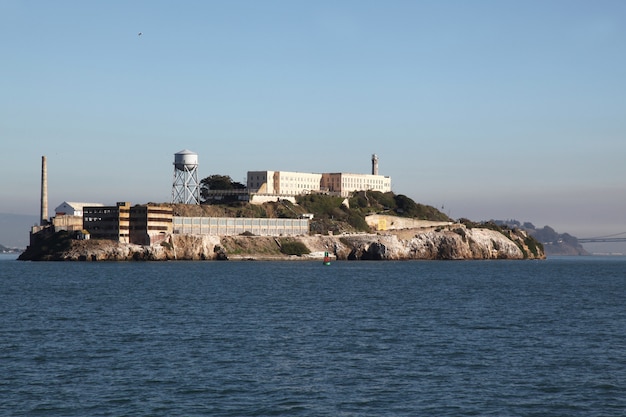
(608, 238)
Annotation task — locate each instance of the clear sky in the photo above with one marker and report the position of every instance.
(490, 109)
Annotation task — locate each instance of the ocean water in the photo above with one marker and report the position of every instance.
(469, 338)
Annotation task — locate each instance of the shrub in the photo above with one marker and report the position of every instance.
(321, 205)
(293, 247)
(386, 200)
(357, 221)
(358, 200)
(533, 245)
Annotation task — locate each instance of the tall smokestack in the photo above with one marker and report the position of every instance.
(44, 192)
(374, 164)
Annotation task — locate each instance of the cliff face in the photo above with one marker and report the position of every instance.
(453, 242)
(456, 243)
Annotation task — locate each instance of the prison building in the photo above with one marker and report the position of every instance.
(108, 222)
(286, 183)
(149, 223)
(282, 182)
(344, 183)
(68, 216)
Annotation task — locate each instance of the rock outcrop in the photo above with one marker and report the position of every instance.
(454, 241)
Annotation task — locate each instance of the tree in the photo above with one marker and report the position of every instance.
(218, 183)
(405, 205)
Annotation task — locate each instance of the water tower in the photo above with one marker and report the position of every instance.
(186, 187)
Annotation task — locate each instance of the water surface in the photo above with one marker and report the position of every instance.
(505, 338)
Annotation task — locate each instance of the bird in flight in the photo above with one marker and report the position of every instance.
(139, 34)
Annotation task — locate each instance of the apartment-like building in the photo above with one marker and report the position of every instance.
(108, 222)
(141, 224)
(150, 223)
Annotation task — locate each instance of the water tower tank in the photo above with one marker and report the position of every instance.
(185, 160)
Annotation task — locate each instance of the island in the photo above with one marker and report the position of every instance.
(369, 225)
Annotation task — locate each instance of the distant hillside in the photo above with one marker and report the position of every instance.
(15, 228)
(4, 249)
(554, 243)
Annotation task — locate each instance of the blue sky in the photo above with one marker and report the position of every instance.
(489, 109)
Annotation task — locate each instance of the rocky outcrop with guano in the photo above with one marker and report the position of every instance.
(452, 242)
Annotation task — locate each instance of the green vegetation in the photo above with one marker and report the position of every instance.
(221, 183)
(370, 202)
(321, 205)
(491, 225)
(533, 245)
(332, 214)
(293, 247)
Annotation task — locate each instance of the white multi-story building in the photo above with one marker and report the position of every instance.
(345, 183)
(286, 183)
(283, 182)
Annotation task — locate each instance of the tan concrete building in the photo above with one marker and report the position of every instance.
(69, 223)
(142, 224)
(149, 223)
(108, 222)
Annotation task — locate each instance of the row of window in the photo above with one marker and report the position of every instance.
(106, 219)
(300, 179)
(101, 211)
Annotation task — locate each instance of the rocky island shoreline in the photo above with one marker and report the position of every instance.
(452, 242)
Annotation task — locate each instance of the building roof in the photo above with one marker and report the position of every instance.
(79, 206)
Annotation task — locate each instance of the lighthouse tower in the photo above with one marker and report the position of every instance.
(374, 164)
